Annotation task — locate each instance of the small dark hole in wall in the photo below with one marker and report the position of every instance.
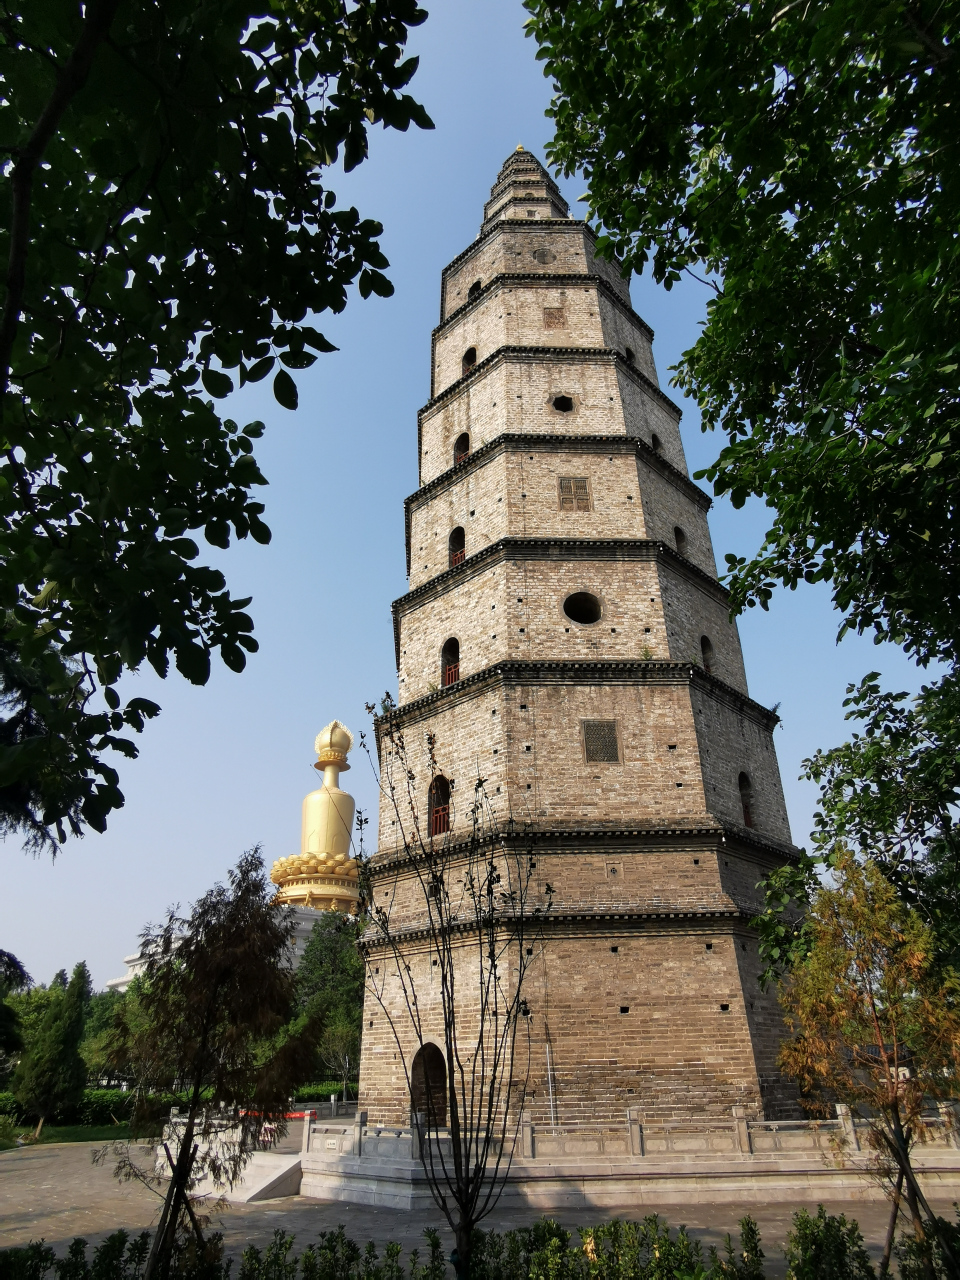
(614, 950)
(529, 951)
(624, 1008)
(724, 1008)
(696, 862)
(709, 946)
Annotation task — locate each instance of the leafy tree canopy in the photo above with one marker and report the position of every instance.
(13, 977)
(807, 154)
(330, 976)
(168, 232)
(212, 1021)
(52, 1073)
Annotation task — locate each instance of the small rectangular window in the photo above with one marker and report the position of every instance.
(554, 318)
(600, 742)
(574, 493)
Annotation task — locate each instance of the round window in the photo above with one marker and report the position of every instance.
(582, 607)
(544, 256)
(563, 404)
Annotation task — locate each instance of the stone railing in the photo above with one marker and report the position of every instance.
(635, 1140)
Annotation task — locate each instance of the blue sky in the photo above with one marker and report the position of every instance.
(227, 766)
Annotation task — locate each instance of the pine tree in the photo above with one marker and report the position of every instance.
(53, 1074)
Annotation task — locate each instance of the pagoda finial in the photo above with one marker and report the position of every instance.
(519, 146)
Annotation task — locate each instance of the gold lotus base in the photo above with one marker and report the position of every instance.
(322, 893)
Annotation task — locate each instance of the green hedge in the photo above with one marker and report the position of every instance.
(818, 1246)
(97, 1107)
(321, 1092)
(103, 1106)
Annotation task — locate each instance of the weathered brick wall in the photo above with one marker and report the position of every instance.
(515, 395)
(692, 610)
(731, 742)
(634, 1018)
(507, 250)
(676, 764)
(514, 610)
(518, 495)
(666, 506)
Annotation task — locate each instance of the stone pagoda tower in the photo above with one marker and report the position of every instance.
(565, 636)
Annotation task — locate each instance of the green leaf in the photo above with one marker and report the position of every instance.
(285, 390)
(217, 383)
(259, 369)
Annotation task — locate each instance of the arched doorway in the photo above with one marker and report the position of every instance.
(428, 1086)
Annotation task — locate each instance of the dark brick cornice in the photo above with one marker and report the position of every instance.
(710, 834)
(534, 925)
(544, 443)
(612, 672)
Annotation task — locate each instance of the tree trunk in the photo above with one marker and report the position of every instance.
(919, 1232)
(892, 1228)
(461, 1254)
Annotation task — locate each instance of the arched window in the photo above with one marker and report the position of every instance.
(469, 361)
(746, 798)
(428, 1087)
(656, 443)
(681, 540)
(439, 806)
(457, 545)
(706, 649)
(450, 662)
(474, 290)
(629, 353)
(461, 449)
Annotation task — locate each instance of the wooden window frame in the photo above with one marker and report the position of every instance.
(580, 500)
(617, 734)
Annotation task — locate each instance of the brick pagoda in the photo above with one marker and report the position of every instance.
(565, 636)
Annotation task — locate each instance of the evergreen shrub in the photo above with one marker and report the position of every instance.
(826, 1247)
(911, 1254)
(321, 1092)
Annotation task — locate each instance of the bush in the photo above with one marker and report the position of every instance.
(321, 1092)
(911, 1254)
(819, 1248)
(826, 1247)
(9, 1130)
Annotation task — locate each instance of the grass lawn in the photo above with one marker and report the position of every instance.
(79, 1132)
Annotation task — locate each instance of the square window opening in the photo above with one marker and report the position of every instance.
(600, 743)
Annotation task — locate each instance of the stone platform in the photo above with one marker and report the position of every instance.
(667, 1163)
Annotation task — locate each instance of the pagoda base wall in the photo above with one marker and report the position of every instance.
(635, 1165)
(662, 1012)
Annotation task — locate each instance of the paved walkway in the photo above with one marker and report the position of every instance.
(56, 1193)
